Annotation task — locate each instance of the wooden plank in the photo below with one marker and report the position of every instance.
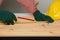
(30, 29)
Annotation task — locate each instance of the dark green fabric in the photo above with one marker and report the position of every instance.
(7, 17)
(41, 17)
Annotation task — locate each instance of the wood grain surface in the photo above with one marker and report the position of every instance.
(30, 28)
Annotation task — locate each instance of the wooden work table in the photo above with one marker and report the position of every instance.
(28, 28)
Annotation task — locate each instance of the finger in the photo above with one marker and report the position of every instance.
(36, 4)
(8, 22)
(11, 20)
(14, 17)
(33, 1)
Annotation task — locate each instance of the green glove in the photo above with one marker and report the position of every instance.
(41, 17)
(7, 17)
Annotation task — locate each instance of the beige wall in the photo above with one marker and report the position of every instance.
(13, 6)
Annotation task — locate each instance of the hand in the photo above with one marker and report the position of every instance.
(41, 17)
(7, 17)
(1, 2)
(30, 5)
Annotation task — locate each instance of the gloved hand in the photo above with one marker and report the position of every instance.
(41, 17)
(7, 17)
(31, 6)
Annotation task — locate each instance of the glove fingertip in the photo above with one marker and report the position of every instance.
(49, 19)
